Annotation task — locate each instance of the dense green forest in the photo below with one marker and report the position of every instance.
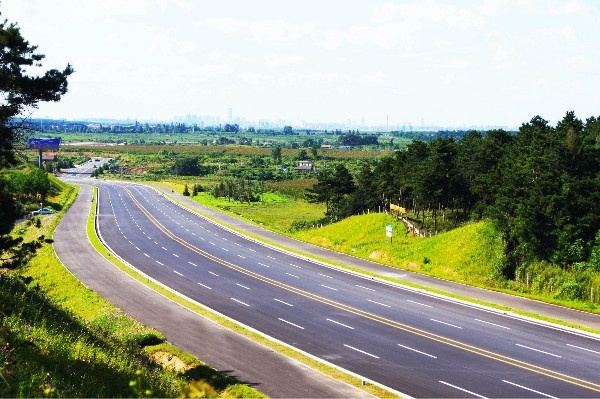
(541, 186)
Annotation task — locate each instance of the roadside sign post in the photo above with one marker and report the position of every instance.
(388, 231)
(42, 144)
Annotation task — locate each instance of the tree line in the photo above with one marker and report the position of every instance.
(540, 185)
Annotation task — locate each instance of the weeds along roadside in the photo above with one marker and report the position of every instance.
(59, 339)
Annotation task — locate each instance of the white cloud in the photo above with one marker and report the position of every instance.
(252, 78)
(279, 31)
(279, 60)
(376, 79)
(569, 7)
(228, 26)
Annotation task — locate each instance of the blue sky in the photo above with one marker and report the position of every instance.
(450, 63)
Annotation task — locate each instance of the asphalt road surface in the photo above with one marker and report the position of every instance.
(413, 342)
(229, 352)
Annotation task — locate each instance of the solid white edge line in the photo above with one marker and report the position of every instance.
(420, 291)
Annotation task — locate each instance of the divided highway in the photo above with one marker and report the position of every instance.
(413, 342)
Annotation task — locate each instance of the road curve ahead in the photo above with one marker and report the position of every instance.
(232, 354)
(413, 342)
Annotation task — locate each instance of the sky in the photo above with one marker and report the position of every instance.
(427, 62)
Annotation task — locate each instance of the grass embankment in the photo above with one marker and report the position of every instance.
(59, 339)
(471, 254)
(464, 254)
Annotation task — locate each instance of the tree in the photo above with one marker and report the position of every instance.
(276, 154)
(363, 199)
(332, 187)
(19, 92)
(186, 166)
(302, 155)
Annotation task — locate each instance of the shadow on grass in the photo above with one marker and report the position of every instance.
(45, 350)
(219, 380)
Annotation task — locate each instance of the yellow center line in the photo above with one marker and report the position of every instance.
(400, 326)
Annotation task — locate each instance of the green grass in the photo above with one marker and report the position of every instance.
(467, 254)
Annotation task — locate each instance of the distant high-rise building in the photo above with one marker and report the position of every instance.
(229, 115)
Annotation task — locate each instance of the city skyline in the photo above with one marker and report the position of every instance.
(358, 63)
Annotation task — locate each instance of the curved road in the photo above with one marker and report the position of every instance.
(230, 353)
(414, 342)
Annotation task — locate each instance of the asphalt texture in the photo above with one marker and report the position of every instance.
(575, 317)
(230, 353)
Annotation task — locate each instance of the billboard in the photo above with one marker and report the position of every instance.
(44, 143)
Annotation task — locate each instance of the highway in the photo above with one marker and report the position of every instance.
(413, 342)
(87, 168)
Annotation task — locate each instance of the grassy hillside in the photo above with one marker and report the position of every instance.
(467, 254)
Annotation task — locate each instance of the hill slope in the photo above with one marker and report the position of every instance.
(467, 254)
